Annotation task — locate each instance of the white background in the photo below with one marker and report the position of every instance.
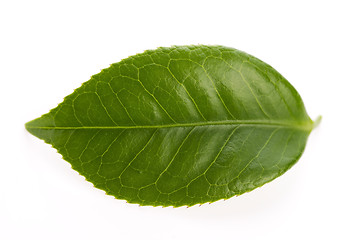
(49, 48)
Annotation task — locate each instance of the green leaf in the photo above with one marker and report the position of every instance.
(180, 126)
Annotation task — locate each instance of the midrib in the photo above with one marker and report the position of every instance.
(306, 126)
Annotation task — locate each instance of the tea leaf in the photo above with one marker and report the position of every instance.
(180, 126)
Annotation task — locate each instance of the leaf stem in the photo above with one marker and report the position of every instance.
(317, 121)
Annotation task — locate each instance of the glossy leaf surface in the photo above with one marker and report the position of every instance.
(180, 126)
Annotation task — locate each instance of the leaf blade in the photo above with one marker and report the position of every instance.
(180, 126)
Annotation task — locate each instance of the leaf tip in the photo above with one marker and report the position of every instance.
(28, 126)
